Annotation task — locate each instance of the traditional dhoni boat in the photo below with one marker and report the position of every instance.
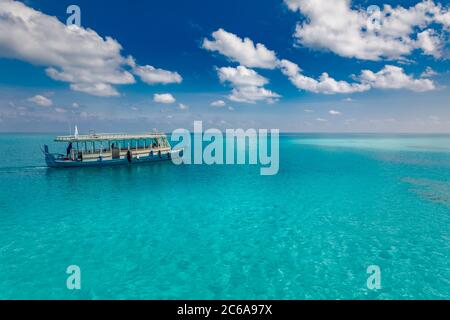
(104, 149)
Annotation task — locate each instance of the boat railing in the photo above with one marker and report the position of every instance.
(110, 137)
(76, 155)
(107, 150)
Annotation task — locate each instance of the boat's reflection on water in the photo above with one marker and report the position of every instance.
(105, 177)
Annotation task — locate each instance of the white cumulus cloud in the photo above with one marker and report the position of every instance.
(241, 76)
(247, 85)
(336, 26)
(77, 55)
(253, 94)
(325, 84)
(393, 77)
(350, 32)
(243, 51)
(152, 75)
(166, 98)
(390, 77)
(430, 43)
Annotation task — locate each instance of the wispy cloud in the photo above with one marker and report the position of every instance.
(182, 106)
(218, 103)
(41, 101)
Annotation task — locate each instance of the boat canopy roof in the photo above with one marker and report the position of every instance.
(108, 137)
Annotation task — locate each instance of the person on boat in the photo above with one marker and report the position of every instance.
(69, 149)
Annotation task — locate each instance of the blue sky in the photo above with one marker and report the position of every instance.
(232, 64)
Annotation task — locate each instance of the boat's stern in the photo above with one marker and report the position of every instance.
(49, 158)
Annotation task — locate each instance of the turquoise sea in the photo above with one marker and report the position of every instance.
(339, 204)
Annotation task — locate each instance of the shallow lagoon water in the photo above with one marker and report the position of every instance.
(160, 231)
